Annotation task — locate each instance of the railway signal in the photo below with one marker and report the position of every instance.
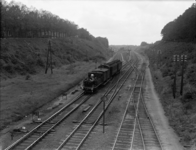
(49, 58)
(159, 52)
(183, 59)
(179, 58)
(175, 59)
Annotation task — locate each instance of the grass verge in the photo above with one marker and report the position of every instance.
(22, 95)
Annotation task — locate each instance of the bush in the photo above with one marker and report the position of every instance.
(191, 74)
(40, 62)
(166, 71)
(188, 106)
(27, 77)
(9, 69)
(187, 97)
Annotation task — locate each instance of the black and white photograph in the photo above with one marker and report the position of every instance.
(98, 75)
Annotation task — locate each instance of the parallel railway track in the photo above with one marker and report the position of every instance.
(80, 134)
(150, 138)
(36, 135)
(126, 127)
(137, 130)
(40, 131)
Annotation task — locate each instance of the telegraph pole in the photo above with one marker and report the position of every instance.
(159, 58)
(103, 100)
(183, 59)
(175, 59)
(49, 58)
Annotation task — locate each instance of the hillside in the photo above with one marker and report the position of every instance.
(178, 39)
(25, 36)
(24, 85)
(182, 28)
(28, 56)
(180, 110)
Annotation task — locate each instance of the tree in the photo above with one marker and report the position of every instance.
(182, 28)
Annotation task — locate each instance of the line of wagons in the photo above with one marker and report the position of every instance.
(101, 76)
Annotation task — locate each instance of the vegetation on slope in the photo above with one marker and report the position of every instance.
(20, 96)
(181, 110)
(25, 33)
(17, 20)
(25, 87)
(28, 56)
(24, 40)
(182, 28)
(178, 39)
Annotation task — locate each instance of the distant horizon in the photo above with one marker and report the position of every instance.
(121, 22)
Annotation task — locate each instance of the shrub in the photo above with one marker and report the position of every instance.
(187, 97)
(188, 106)
(40, 62)
(27, 77)
(191, 74)
(9, 69)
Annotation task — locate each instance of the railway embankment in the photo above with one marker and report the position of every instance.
(25, 86)
(180, 110)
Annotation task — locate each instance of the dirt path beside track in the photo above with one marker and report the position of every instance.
(168, 138)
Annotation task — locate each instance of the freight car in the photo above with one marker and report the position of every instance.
(101, 76)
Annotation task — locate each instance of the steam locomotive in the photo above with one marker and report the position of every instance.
(101, 75)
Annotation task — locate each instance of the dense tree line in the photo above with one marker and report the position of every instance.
(182, 28)
(144, 44)
(103, 41)
(17, 20)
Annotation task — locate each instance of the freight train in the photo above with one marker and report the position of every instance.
(101, 75)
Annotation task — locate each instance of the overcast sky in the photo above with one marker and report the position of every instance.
(122, 22)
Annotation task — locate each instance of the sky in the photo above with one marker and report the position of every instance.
(122, 22)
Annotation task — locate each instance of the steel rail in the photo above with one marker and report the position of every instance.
(141, 101)
(62, 119)
(84, 119)
(153, 126)
(141, 134)
(110, 101)
(124, 115)
(48, 119)
(120, 77)
(43, 123)
(136, 115)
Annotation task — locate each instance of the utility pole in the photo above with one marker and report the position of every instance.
(183, 59)
(103, 98)
(86, 55)
(49, 58)
(175, 59)
(159, 52)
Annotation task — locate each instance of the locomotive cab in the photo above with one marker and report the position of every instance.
(101, 76)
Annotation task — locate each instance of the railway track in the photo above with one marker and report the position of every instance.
(47, 127)
(126, 127)
(148, 133)
(76, 138)
(137, 130)
(145, 131)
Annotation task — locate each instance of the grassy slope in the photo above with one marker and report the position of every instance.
(20, 97)
(23, 56)
(24, 86)
(181, 115)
